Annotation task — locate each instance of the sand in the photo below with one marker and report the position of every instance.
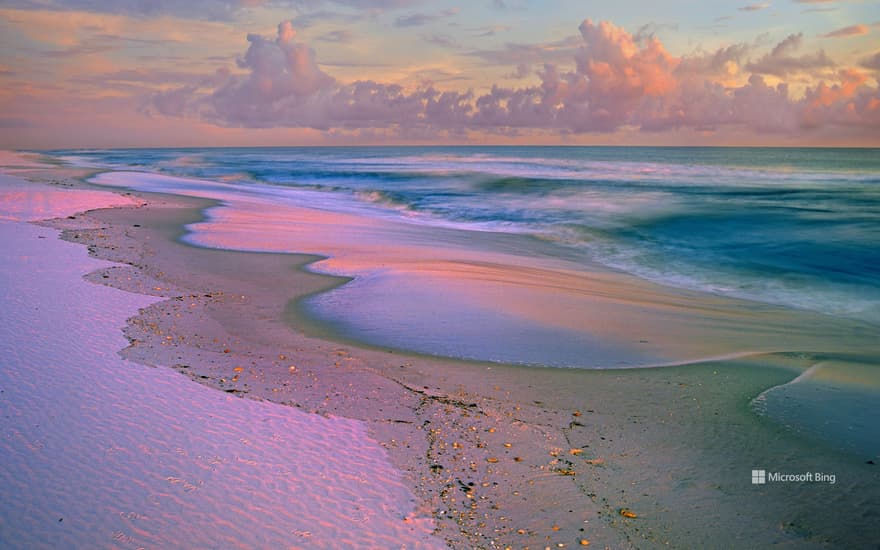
(102, 452)
(498, 455)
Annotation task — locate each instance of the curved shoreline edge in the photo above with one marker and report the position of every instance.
(673, 441)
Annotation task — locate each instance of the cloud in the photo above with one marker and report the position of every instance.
(306, 20)
(649, 30)
(341, 36)
(852, 30)
(520, 71)
(359, 4)
(140, 76)
(508, 4)
(755, 7)
(442, 40)
(782, 60)
(517, 53)
(99, 43)
(285, 87)
(616, 82)
(281, 72)
(489, 30)
(848, 102)
(419, 19)
(871, 62)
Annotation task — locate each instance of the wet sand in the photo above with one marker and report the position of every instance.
(499, 455)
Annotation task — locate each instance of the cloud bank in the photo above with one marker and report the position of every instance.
(618, 81)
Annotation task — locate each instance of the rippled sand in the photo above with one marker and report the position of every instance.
(99, 451)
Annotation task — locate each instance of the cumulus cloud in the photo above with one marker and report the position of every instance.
(616, 82)
(782, 60)
(284, 86)
(282, 74)
(723, 62)
(846, 102)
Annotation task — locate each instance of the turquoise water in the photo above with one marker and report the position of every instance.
(792, 227)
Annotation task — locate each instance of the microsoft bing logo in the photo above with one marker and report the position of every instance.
(759, 477)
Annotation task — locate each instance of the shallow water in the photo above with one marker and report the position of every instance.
(794, 231)
(794, 227)
(476, 294)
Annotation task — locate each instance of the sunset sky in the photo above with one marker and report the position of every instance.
(86, 73)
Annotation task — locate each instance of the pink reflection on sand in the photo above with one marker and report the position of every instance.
(27, 205)
(615, 307)
(25, 201)
(18, 160)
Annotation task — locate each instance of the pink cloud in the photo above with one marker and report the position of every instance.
(852, 30)
(848, 102)
(754, 7)
(618, 81)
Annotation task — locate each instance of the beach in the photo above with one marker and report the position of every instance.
(503, 400)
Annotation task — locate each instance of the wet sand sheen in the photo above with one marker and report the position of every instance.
(438, 290)
(675, 444)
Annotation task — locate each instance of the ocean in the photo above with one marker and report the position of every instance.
(793, 227)
(587, 257)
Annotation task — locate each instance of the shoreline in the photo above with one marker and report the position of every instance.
(482, 287)
(444, 421)
(102, 452)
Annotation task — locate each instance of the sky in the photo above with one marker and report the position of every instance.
(153, 73)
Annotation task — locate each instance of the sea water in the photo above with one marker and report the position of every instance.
(798, 227)
(781, 229)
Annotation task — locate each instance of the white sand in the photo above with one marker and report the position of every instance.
(100, 452)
